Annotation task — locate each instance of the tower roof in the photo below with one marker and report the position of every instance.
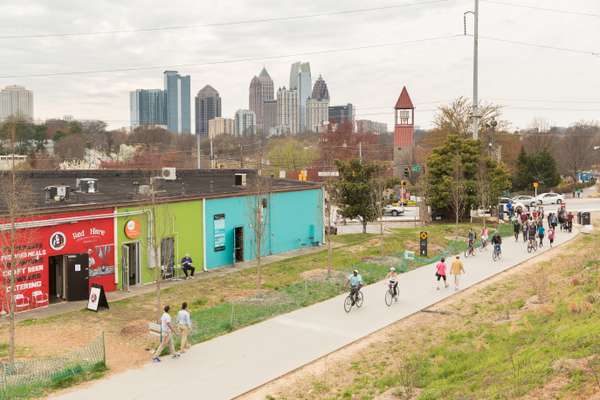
(320, 91)
(207, 91)
(264, 75)
(404, 100)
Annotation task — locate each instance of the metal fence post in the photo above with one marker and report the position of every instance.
(103, 349)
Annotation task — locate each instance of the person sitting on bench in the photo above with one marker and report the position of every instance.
(186, 265)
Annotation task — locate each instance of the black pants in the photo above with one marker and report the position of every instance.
(354, 293)
(188, 267)
(394, 288)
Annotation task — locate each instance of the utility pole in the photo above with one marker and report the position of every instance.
(241, 156)
(212, 155)
(475, 112)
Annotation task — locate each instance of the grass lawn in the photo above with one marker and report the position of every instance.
(533, 335)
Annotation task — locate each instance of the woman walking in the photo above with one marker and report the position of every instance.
(457, 269)
(440, 273)
(551, 233)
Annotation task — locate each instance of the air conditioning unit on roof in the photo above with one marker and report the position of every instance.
(169, 174)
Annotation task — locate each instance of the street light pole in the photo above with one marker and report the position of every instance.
(475, 116)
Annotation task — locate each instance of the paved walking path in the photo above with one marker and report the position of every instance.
(231, 365)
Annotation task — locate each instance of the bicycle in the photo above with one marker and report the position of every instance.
(358, 302)
(532, 245)
(470, 251)
(497, 254)
(389, 294)
(483, 245)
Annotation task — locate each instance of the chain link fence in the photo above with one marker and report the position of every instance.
(26, 378)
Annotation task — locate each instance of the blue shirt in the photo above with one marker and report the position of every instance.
(541, 230)
(355, 280)
(186, 261)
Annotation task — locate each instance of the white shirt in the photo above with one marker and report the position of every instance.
(165, 320)
(183, 318)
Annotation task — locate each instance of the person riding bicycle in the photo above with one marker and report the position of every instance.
(356, 282)
(392, 276)
(484, 236)
(471, 238)
(497, 242)
(531, 234)
(516, 228)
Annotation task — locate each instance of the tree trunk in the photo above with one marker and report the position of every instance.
(364, 225)
(329, 247)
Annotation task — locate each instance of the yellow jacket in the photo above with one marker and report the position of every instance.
(457, 267)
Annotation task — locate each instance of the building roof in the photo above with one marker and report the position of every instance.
(404, 100)
(320, 90)
(264, 75)
(122, 187)
(208, 91)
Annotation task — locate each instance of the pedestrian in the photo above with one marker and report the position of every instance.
(525, 228)
(541, 231)
(167, 332)
(187, 267)
(551, 233)
(440, 272)
(184, 323)
(457, 269)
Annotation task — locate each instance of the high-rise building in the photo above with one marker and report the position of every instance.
(16, 101)
(208, 106)
(245, 123)
(317, 114)
(178, 102)
(270, 121)
(341, 114)
(320, 90)
(301, 81)
(220, 126)
(287, 111)
(261, 90)
(148, 107)
(368, 126)
(317, 106)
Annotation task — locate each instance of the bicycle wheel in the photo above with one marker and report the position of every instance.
(495, 255)
(359, 300)
(348, 304)
(529, 248)
(388, 298)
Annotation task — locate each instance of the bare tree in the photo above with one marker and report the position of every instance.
(455, 118)
(576, 152)
(258, 201)
(16, 197)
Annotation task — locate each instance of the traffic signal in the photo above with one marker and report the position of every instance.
(406, 172)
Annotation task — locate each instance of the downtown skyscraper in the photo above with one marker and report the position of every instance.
(261, 90)
(148, 107)
(301, 82)
(16, 101)
(178, 102)
(317, 106)
(208, 106)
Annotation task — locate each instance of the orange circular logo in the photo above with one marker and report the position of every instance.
(132, 229)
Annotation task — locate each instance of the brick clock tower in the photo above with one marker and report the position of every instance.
(404, 135)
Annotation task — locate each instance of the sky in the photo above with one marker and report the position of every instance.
(365, 57)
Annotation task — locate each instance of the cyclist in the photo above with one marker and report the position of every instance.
(392, 276)
(471, 239)
(356, 282)
(484, 236)
(497, 242)
(525, 229)
(516, 229)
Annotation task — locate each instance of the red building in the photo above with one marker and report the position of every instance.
(404, 133)
(58, 257)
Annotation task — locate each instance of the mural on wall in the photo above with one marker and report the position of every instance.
(219, 227)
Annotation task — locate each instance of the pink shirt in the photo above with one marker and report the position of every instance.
(441, 268)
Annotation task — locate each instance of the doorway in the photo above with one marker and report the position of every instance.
(238, 243)
(167, 257)
(68, 277)
(130, 265)
(57, 281)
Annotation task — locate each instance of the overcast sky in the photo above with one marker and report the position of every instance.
(559, 86)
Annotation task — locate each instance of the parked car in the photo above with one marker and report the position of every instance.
(529, 201)
(517, 205)
(393, 210)
(550, 198)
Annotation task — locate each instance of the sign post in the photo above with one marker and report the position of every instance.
(423, 244)
(535, 187)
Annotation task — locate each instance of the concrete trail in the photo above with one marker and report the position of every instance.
(234, 364)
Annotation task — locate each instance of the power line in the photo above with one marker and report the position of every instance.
(553, 10)
(219, 24)
(231, 61)
(542, 46)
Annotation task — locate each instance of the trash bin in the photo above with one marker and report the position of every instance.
(579, 217)
(586, 218)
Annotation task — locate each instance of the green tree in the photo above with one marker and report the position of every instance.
(291, 154)
(540, 167)
(454, 176)
(355, 190)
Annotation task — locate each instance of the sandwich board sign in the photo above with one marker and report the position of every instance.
(97, 298)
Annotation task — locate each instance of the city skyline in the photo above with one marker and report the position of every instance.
(16, 101)
(207, 107)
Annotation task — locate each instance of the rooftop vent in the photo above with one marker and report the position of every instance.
(240, 180)
(144, 190)
(87, 185)
(57, 193)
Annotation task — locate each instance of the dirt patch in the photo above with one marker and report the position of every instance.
(134, 328)
(388, 261)
(322, 275)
